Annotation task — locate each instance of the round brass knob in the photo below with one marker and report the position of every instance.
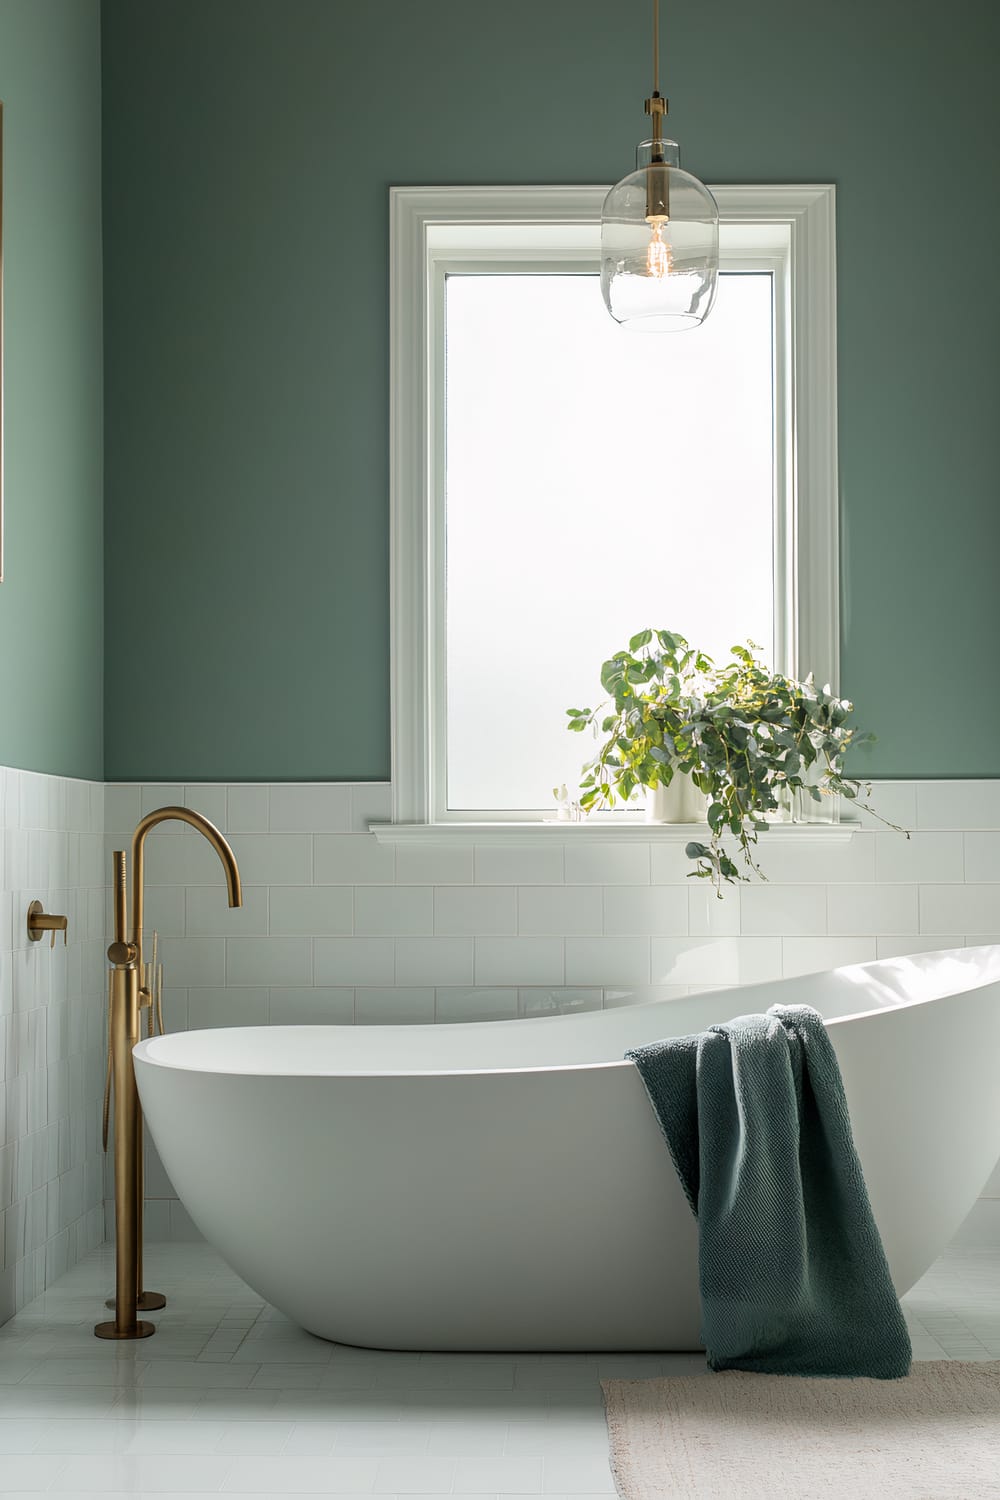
(122, 953)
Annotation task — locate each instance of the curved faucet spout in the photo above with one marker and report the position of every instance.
(204, 827)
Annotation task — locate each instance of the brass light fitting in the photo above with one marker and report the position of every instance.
(659, 260)
(127, 997)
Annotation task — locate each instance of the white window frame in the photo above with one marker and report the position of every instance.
(787, 230)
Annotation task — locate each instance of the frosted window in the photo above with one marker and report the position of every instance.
(598, 480)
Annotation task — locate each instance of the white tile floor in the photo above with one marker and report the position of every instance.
(228, 1397)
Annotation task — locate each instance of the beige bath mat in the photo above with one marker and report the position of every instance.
(933, 1436)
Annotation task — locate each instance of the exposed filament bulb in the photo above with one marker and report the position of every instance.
(659, 256)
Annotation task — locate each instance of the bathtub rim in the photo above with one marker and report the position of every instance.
(145, 1052)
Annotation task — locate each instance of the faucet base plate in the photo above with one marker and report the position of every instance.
(110, 1331)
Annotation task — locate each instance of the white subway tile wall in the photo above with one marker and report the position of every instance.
(340, 928)
(52, 1030)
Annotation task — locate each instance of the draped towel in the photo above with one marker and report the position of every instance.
(792, 1273)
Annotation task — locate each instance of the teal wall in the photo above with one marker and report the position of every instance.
(249, 147)
(51, 615)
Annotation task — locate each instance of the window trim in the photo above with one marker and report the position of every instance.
(433, 226)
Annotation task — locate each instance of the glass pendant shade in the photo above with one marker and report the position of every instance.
(659, 244)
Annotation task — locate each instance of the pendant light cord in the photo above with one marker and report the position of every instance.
(656, 105)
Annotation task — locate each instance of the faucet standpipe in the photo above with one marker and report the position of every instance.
(124, 1003)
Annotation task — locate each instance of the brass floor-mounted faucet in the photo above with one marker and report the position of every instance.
(128, 997)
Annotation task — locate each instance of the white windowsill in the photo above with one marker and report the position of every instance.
(592, 832)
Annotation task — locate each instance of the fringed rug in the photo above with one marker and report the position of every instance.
(933, 1436)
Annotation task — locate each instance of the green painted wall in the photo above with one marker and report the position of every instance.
(51, 617)
(249, 146)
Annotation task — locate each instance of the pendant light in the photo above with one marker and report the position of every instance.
(659, 233)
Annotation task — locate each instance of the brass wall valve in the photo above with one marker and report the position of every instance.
(40, 921)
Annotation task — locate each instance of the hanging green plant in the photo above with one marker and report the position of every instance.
(745, 736)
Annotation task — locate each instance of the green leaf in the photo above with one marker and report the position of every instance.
(642, 639)
(612, 672)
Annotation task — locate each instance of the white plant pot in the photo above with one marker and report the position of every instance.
(680, 802)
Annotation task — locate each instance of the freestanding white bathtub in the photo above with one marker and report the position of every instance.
(504, 1185)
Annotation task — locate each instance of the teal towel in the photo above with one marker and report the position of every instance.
(792, 1272)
